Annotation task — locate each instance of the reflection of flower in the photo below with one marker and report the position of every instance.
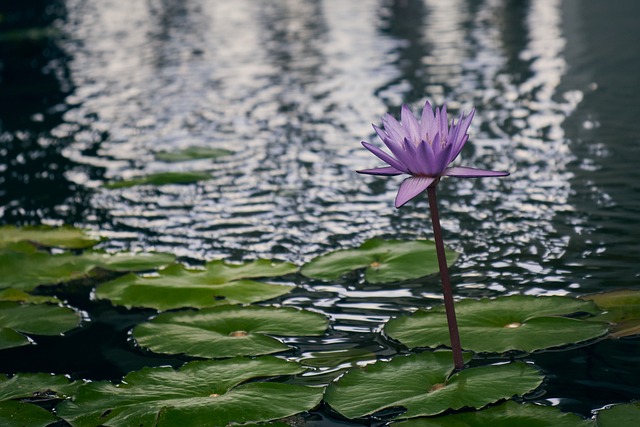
(423, 149)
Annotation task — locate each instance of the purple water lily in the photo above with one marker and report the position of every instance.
(423, 149)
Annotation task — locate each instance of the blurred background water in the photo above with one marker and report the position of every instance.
(90, 90)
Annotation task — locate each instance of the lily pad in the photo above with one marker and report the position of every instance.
(227, 331)
(57, 237)
(18, 320)
(17, 295)
(518, 322)
(508, 414)
(202, 393)
(384, 261)
(624, 415)
(162, 178)
(218, 284)
(23, 267)
(34, 388)
(192, 153)
(347, 357)
(622, 309)
(423, 385)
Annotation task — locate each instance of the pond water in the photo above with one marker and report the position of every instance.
(90, 90)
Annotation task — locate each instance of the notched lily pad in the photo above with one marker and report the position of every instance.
(23, 267)
(219, 283)
(227, 331)
(18, 320)
(508, 414)
(192, 153)
(202, 393)
(162, 178)
(58, 237)
(384, 261)
(19, 393)
(624, 415)
(622, 310)
(518, 322)
(423, 385)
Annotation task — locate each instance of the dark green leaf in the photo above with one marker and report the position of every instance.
(622, 309)
(162, 178)
(192, 153)
(624, 415)
(58, 237)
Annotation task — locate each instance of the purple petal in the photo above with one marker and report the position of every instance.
(426, 121)
(465, 172)
(428, 159)
(387, 171)
(410, 124)
(411, 187)
(385, 157)
(393, 128)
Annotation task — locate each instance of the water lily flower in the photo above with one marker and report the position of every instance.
(423, 149)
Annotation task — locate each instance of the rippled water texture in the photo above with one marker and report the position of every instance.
(292, 87)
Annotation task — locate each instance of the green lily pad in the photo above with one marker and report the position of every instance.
(227, 331)
(622, 309)
(17, 295)
(624, 415)
(162, 178)
(508, 414)
(518, 322)
(57, 237)
(202, 393)
(18, 320)
(24, 268)
(384, 261)
(423, 385)
(32, 387)
(218, 284)
(192, 153)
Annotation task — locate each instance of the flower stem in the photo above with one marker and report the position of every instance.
(454, 335)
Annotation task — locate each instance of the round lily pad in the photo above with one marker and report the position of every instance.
(218, 284)
(227, 331)
(518, 322)
(384, 261)
(508, 414)
(23, 267)
(423, 385)
(624, 415)
(19, 393)
(162, 178)
(192, 153)
(202, 393)
(59, 237)
(18, 320)
(622, 310)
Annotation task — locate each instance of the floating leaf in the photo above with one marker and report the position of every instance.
(624, 415)
(423, 385)
(227, 331)
(34, 387)
(518, 322)
(17, 295)
(622, 309)
(18, 319)
(508, 414)
(192, 153)
(333, 358)
(162, 178)
(384, 261)
(202, 393)
(25, 268)
(58, 237)
(218, 284)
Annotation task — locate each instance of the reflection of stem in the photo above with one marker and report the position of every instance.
(454, 335)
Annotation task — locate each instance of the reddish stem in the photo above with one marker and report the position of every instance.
(454, 335)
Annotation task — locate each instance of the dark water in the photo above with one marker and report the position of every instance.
(90, 90)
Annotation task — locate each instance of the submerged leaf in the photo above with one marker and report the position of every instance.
(508, 414)
(518, 322)
(423, 385)
(18, 320)
(199, 394)
(218, 284)
(59, 237)
(227, 331)
(384, 261)
(162, 178)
